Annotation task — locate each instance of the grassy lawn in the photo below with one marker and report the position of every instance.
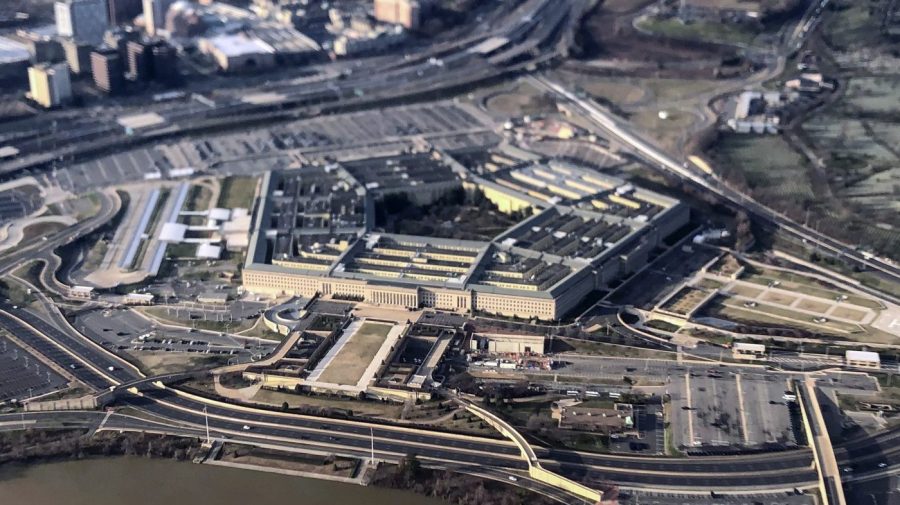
(38, 230)
(352, 360)
(237, 192)
(726, 33)
(198, 198)
(807, 285)
(365, 408)
(522, 99)
(162, 315)
(158, 363)
(564, 344)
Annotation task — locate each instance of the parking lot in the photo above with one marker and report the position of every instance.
(724, 409)
(445, 124)
(122, 330)
(22, 375)
(19, 202)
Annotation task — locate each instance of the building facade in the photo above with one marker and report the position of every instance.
(82, 20)
(78, 56)
(50, 84)
(107, 68)
(155, 14)
(406, 13)
(122, 12)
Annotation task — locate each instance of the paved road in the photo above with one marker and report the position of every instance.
(618, 130)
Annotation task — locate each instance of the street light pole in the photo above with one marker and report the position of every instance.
(206, 419)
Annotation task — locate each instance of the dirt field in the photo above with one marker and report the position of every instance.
(158, 363)
(779, 298)
(813, 306)
(368, 408)
(848, 313)
(746, 291)
(353, 359)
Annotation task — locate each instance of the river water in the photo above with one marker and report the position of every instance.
(141, 481)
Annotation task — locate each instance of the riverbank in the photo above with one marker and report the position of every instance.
(24, 449)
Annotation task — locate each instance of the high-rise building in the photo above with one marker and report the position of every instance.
(78, 55)
(119, 37)
(106, 65)
(165, 61)
(122, 12)
(82, 20)
(151, 60)
(399, 12)
(49, 84)
(140, 61)
(155, 14)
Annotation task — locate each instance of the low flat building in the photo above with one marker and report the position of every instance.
(617, 418)
(494, 343)
(81, 292)
(239, 53)
(734, 11)
(213, 298)
(138, 299)
(743, 350)
(863, 359)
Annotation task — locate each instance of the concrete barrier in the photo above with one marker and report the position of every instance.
(84, 403)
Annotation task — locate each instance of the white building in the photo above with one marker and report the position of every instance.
(155, 14)
(863, 359)
(240, 52)
(82, 20)
(743, 350)
(50, 85)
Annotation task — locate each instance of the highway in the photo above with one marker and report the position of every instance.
(368, 83)
(783, 470)
(618, 130)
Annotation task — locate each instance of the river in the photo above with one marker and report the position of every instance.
(141, 481)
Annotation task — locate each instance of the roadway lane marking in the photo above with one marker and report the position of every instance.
(22, 422)
(105, 418)
(743, 413)
(687, 389)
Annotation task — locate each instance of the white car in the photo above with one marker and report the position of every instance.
(246, 427)
(882, 465)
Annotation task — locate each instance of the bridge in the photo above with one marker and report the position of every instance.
(830, 488)
(535, 470)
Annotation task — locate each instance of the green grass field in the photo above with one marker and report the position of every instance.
(352, 360)
(237, 192)
(727, 33)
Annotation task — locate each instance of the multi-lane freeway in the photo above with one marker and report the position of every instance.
(102, 370)
(617, 129)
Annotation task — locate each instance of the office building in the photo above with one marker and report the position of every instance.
(406, 13)
(49, 84)
(165, 64)
(14, 59)
(152, 61)
(585, 231)
(106, 65)
(78, 56)
(155, 14)
(118, 39)
(122, 12)
(82, 20)
(140, 61)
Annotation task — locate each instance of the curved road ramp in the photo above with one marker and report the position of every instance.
(535, 471)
